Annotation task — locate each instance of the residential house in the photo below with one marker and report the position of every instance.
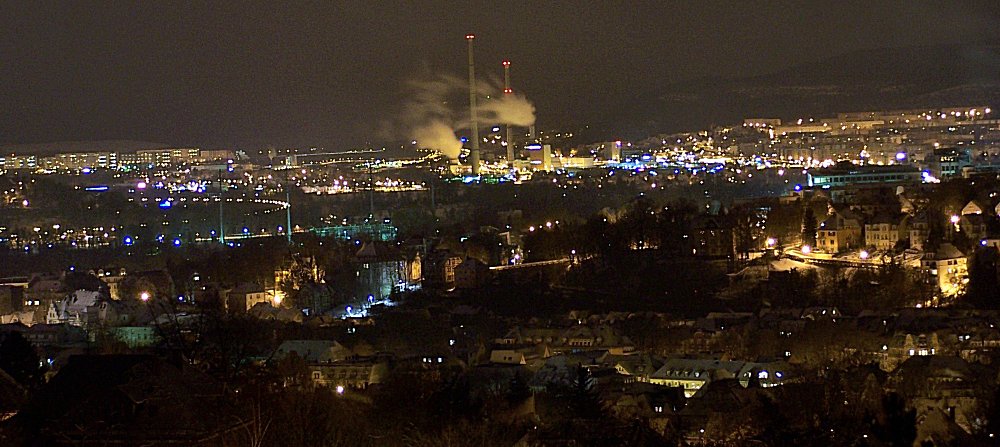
(354, 373)
(973, 207)
(73, 309)
(643, 401)
(382, 270)
(976, 226)
(637, 367)
(692, 374)
(42, 290)
(713, 237)
(440, 269)
(507, 357)
(113, 278)
(945, 267)
(942, 384)
(136, 336)
(840, 231)
(332, 364)
(243, 297)
(919, 230)
(905, 345)
(882, 232)
(471, 273)
(574, 338)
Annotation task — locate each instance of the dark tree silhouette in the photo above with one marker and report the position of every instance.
(809, 227)
(19, 359)
(896, 425)
(983, 285)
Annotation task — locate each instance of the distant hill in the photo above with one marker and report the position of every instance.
(938, 76)
(80, 146)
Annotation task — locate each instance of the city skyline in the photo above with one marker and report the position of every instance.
(531, 224)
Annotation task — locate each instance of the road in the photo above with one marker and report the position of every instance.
(826, 259)
(530, 264)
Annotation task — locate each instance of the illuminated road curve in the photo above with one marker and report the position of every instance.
(530, 264)
(813, 258)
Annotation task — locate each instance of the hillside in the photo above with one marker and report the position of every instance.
(864, 80)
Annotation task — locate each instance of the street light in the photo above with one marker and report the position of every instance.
(144, 296)
(771, 241)
(806, 249)
(863, 255)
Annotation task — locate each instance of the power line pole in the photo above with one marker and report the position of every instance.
(371, 192)
(222, 227)
(288, 209)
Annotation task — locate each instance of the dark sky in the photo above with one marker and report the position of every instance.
(225, 74)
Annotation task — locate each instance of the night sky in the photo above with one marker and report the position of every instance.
(232, 74)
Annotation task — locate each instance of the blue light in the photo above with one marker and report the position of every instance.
(165, 204)
(246, 230)
(96, 188)
(85, 170)
(982, 242)
(798, 187)
(177, 242)
(128, 241)
(464, 140)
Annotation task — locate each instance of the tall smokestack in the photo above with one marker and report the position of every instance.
(510, 134)
(474, 122)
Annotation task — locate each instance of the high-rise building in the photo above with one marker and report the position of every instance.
(540, 156)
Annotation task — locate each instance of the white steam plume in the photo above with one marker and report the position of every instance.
(508, 109)
(440, 136)
(437, 107)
